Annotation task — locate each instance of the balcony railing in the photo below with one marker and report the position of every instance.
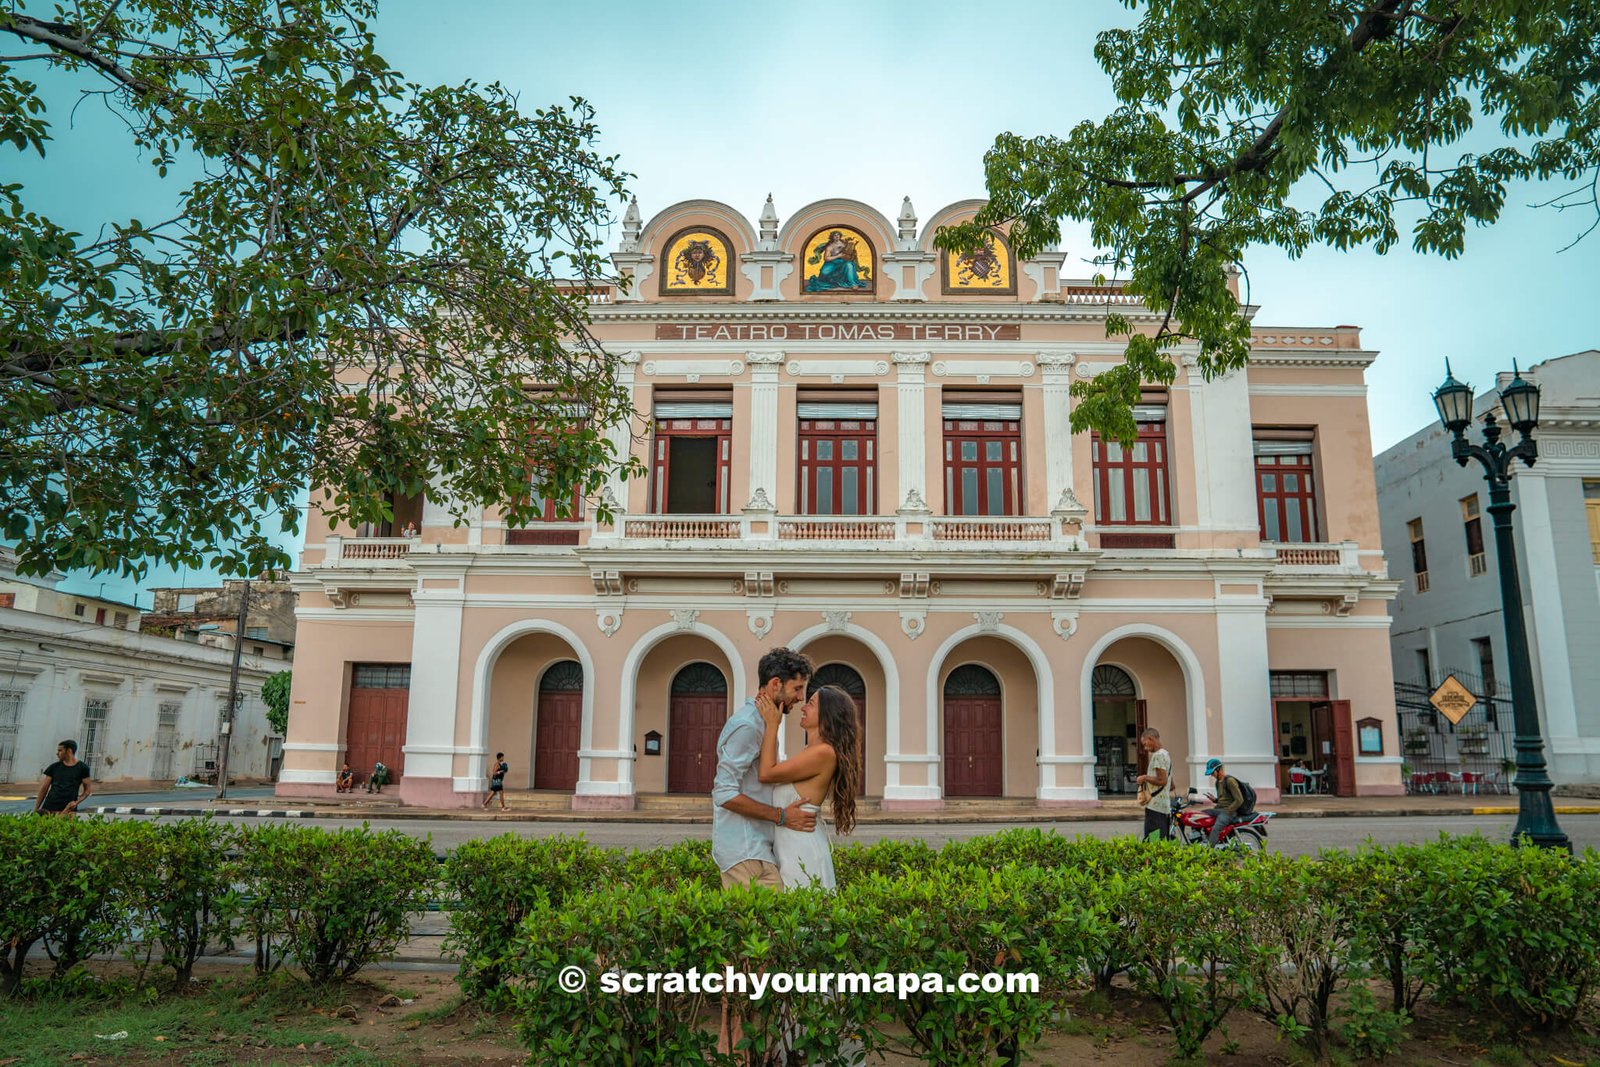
(989, 529)
(820, 529)
(837, 528)
(367, 551)
(1343, 556)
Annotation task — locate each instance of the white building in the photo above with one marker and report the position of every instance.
(140, 706)
(1447, 618)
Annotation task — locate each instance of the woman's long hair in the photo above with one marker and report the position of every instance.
(839, 726)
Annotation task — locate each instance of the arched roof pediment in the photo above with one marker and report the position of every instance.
(959, 211)
(669, 220)
(819, 213)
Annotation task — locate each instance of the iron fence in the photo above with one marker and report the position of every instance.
(1475, 755)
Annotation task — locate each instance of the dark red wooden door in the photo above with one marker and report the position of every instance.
(555, 741)
(1336, 714)
(377, 730)
(696, 721)
(972, 760)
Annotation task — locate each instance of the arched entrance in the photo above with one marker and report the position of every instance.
(1119, 719)
(1135, 680)
(973, 763)
(558, 726)
(849, 679)
(699, 709)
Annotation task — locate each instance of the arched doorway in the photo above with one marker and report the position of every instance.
(558, 727)
(847, 678)
(973, 766)
(1119, 719)
(699, 709)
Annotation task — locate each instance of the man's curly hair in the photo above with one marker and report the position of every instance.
(783, 664)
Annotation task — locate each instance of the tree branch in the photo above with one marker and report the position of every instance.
(60, 37)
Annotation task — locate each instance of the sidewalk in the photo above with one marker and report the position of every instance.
(546, 807)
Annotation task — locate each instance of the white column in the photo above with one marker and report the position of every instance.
(621, 432)
(1546, 615)
(764, 368)
(913, 372)
(1224, 459)
(1244, 693)
(431, 712)
(1056, 368)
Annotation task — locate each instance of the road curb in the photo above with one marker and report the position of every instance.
(923, 819)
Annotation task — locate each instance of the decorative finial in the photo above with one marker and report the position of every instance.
(769, 226)
(908, 221)
(631, 225)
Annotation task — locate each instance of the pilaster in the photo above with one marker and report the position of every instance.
(430, 749)
(764, 369)
(912, 369)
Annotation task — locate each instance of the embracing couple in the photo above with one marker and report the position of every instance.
(766, 826)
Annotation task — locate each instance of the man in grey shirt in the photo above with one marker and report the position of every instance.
(742, 815)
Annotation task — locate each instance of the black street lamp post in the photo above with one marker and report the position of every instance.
(1536, 816)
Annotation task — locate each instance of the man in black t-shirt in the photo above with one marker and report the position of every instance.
(65, 783)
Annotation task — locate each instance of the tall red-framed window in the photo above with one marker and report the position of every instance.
(1286, 487)
(536, 529)
(690, 455)
(838, 457)
(982, 457)
(1131, 483)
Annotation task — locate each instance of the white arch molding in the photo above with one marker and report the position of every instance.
(476, 780)
(1193, 684)
(891, 691)
(1044, 679)
(625, 756)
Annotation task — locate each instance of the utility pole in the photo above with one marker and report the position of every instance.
(233, 695)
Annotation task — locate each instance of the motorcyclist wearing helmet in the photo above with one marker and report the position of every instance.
(1230, 801)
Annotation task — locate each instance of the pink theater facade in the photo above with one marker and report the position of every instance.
(859, 446)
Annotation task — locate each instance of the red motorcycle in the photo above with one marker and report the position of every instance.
(1191, 824)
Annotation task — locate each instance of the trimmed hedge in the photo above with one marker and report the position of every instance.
(329, 902)
(1200, 933)
(1294, 939)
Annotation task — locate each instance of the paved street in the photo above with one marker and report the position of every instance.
(18, 796)
(1296, 836)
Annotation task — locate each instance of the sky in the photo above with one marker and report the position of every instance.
(880, 100)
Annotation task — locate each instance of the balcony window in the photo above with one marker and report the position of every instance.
(1472, 529)
(1131, 482)
(983, 458)
(838, 458)
(1286, 495)
(1419, 554)
(689, 457)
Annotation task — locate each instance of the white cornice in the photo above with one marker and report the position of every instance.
(1312, 357)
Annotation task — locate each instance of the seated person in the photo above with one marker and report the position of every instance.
(379, 779)
(1299, 774)
(1231, 806)
(346, 782)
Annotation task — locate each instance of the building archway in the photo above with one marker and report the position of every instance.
(867, 654)
(504, 691)
(1168, 696)
(1119, 719)
(558, 727)
(849, 679)
(699, 707)
(974, 759)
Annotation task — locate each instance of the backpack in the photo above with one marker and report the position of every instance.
(1247, 791)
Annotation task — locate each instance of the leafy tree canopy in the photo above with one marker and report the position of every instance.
(275, 695)
(1288, 123)
(353, 290)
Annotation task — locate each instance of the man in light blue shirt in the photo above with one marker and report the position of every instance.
(742, 815)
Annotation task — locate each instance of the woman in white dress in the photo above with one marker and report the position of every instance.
(826, 769)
